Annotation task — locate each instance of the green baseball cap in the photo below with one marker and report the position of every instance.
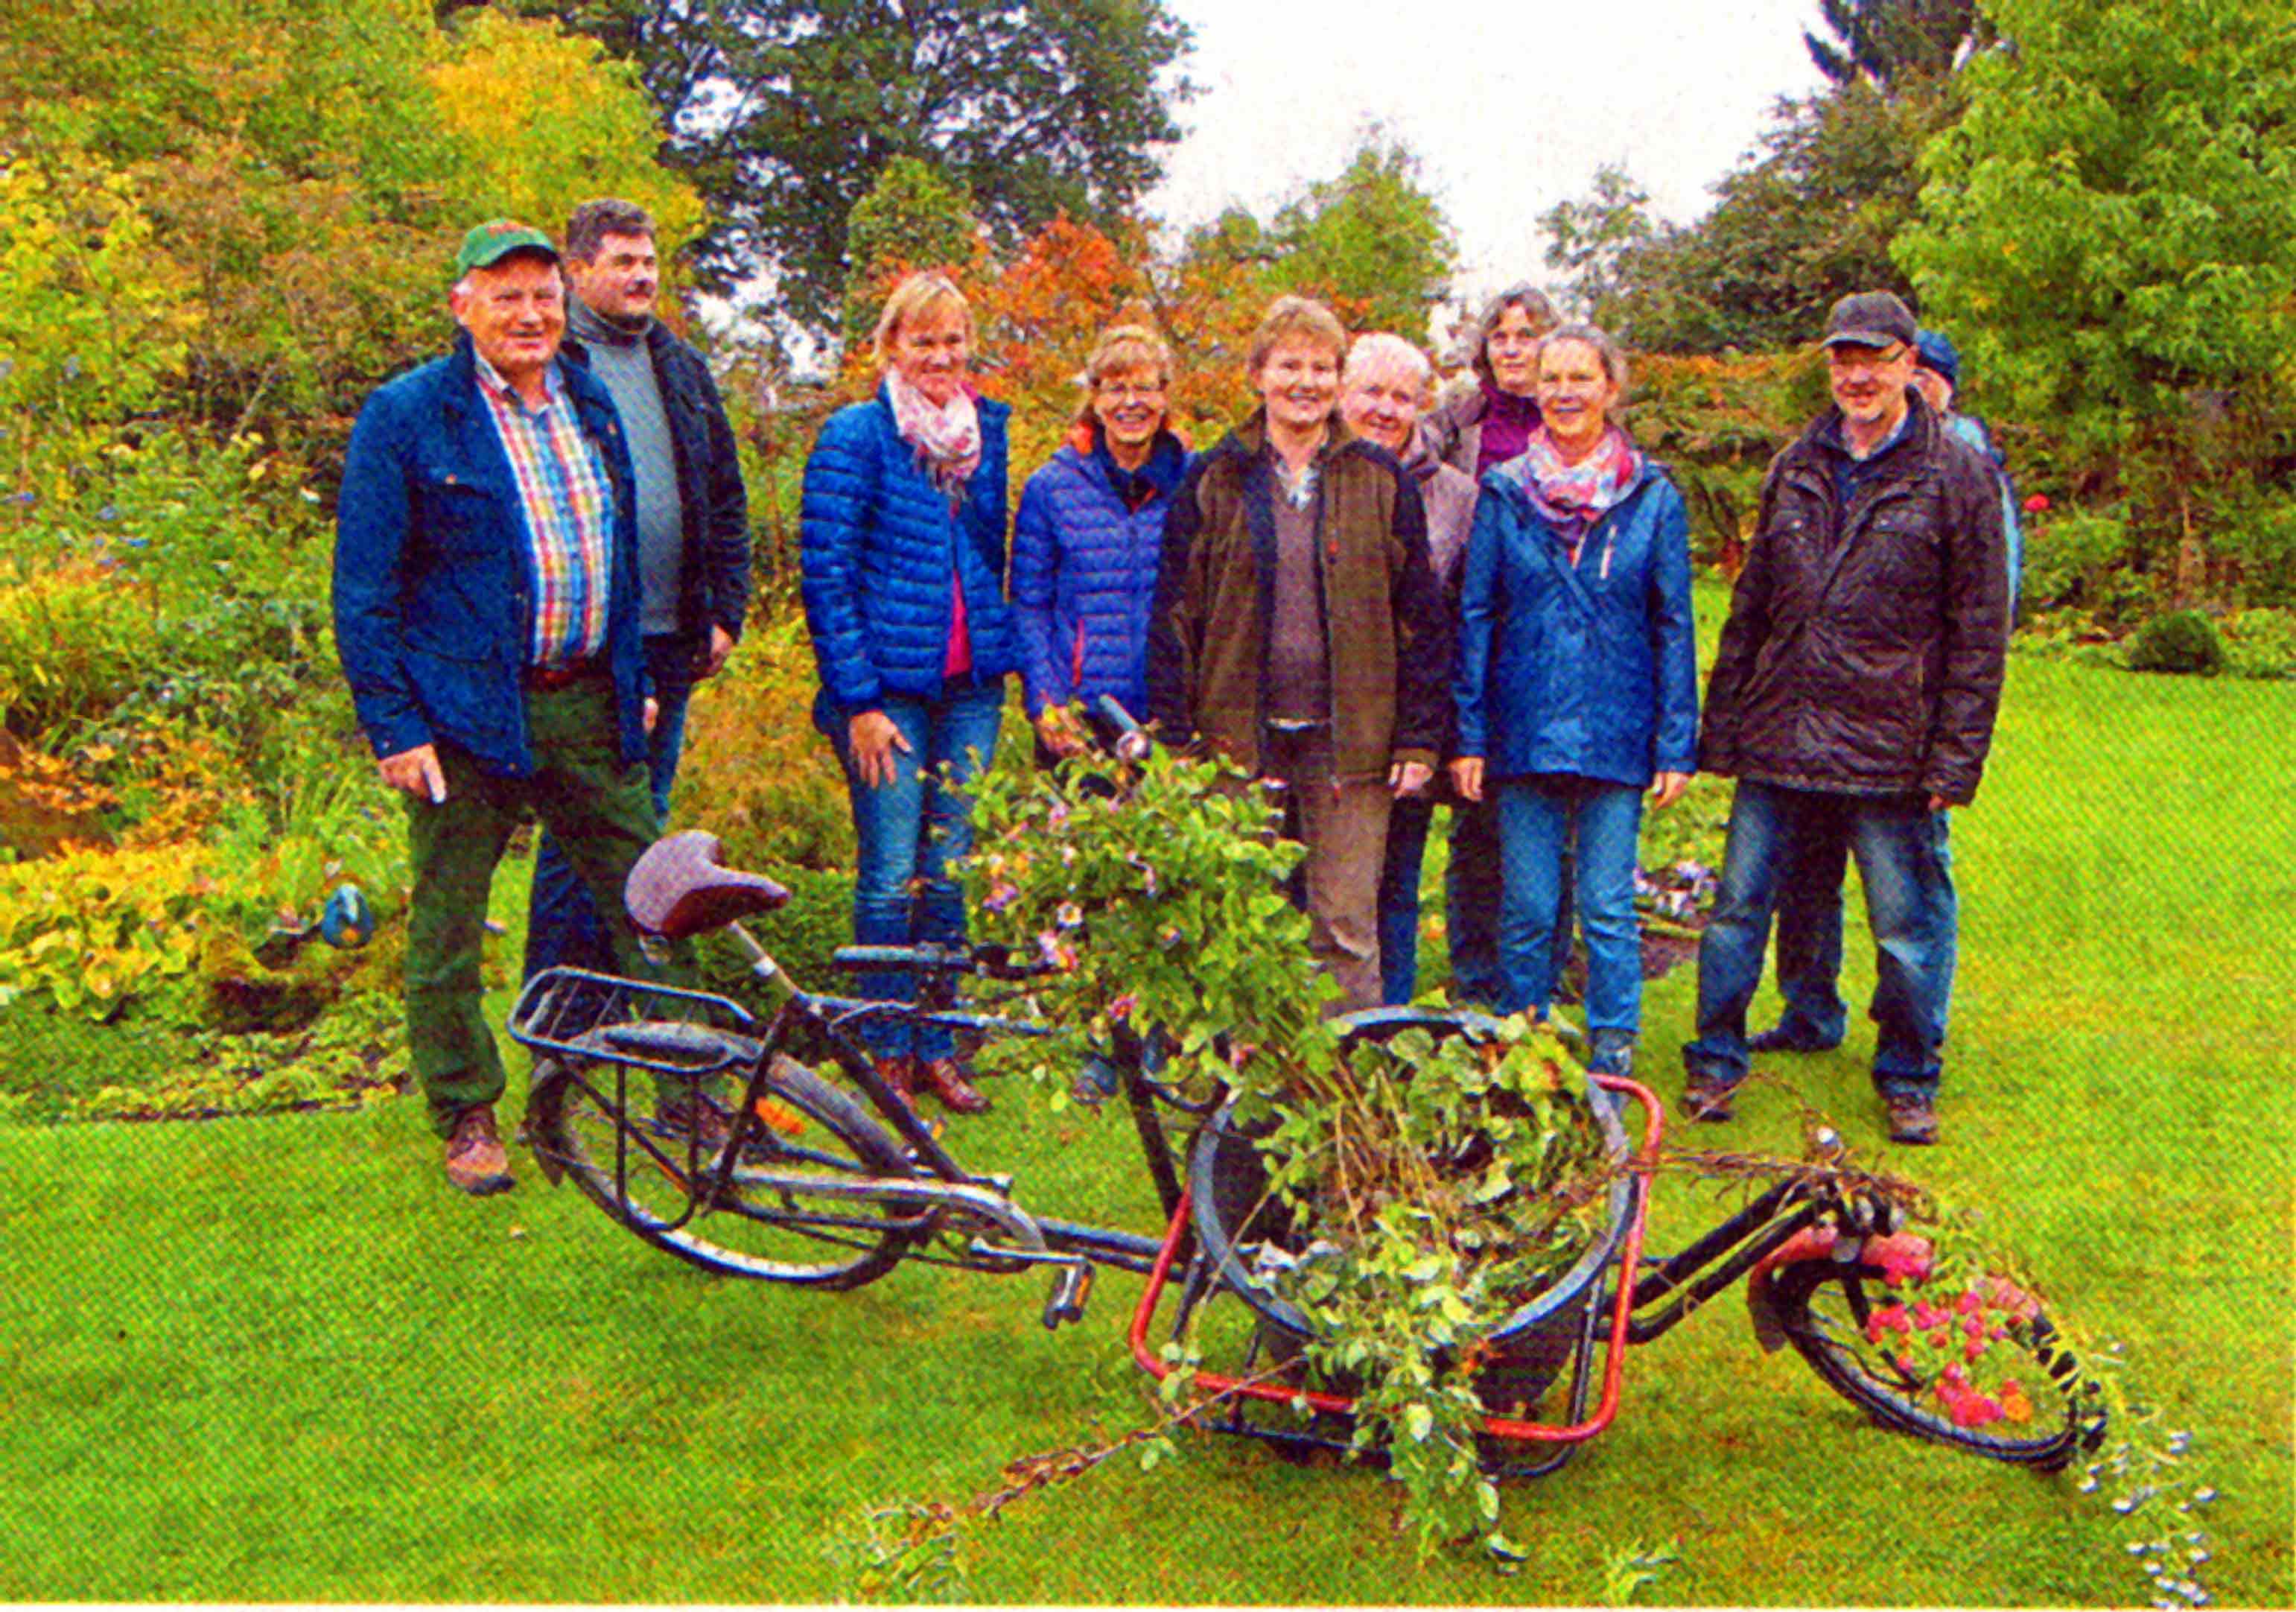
(490, 243)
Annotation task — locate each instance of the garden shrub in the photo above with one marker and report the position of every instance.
(73, 642)
(2259, 546)
(2068, 556)
(758, 773)
(2260, 643)
(2182, 641)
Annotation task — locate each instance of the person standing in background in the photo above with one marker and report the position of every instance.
(693, 525)
(1474, 428)
(1381, 392)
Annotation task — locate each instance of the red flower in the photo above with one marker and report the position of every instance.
(2038, 504)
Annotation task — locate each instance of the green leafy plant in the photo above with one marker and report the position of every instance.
(2182, 641)
(1435, 1183)
(1634, 1567)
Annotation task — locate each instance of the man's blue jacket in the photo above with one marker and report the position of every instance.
(434, 574)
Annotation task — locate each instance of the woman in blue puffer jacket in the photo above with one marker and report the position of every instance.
(1576, 678)
(1086, 541)
(902, 560)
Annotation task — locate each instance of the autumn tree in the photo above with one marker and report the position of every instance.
(2108, 233)
(785, 114)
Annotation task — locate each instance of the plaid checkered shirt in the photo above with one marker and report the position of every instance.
(569, 515)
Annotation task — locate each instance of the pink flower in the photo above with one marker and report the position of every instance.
(2038, 504)
(1969, 1304)
(1972, 1349)
(1123, 1007)
(1902, 1255)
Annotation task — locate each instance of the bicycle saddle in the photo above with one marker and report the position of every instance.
(678, 888)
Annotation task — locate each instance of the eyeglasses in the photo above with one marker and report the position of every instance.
(1867, 359)
(1126, 391)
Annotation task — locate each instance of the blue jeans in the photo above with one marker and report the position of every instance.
(562, 925)
(1536, 816)
(910, 830)
(1398, 898)
(1906, 865)
(1810, 938)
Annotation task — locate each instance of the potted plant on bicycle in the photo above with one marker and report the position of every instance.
(1392, 1192)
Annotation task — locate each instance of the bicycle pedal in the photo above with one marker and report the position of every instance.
(1070, 1289)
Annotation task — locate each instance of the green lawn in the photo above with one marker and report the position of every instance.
(276, 1359)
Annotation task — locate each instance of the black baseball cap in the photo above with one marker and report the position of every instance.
(1870, 319)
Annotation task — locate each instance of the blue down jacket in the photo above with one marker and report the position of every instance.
(878, 543)
(1084, 576)
(434, 573)
(1591, 670)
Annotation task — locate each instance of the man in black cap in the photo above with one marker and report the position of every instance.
(1808, 961)
(485, 600)
(1853, 694)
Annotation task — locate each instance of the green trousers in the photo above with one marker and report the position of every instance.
(601, 812)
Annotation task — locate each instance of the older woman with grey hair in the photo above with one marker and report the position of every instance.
(1476, 425)
(1382, 390)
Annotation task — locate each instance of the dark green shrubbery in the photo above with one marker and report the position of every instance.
(2182, 641)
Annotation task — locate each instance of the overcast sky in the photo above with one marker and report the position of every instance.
(1510, 107)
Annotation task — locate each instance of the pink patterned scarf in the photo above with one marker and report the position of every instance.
(948, 439)
(1572, 497)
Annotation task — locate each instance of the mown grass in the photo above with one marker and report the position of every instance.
(276, 1359)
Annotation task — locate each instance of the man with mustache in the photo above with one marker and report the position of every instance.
(485, 600)
(692, 524)
(1853, 694)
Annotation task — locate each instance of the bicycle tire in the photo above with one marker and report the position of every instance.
(1822, 1306)
(746, 1231)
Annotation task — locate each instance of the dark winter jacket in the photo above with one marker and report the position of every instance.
(713, 579)
(1590, 670)
(1863, 652)
(878, 547)
(1083, 575)
(434, 580)
(1389, 641)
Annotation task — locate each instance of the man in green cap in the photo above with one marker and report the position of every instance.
(486, 596)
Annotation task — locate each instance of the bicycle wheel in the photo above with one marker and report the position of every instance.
(1827, 1311)
(745, 1226)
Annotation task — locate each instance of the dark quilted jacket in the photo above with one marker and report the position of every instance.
(434, 574)
(713, 581)
(1084, 574)
(1863, 650)
(877, 548)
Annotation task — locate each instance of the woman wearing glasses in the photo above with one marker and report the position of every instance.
(1086, 541)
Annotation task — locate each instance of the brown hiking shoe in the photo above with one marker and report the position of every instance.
(944, 1077)
(476, 1163)
(1913, 1122)
(899, 1072)
(1708, 1099)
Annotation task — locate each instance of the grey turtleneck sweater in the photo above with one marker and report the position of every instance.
(618, 358)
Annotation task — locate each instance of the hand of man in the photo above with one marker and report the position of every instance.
(1667, 788)
(721, 645)
(1408, 777)
(1938, 802)
(872, 738)
(415, 772)
(652, 713)
(1467, 778)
